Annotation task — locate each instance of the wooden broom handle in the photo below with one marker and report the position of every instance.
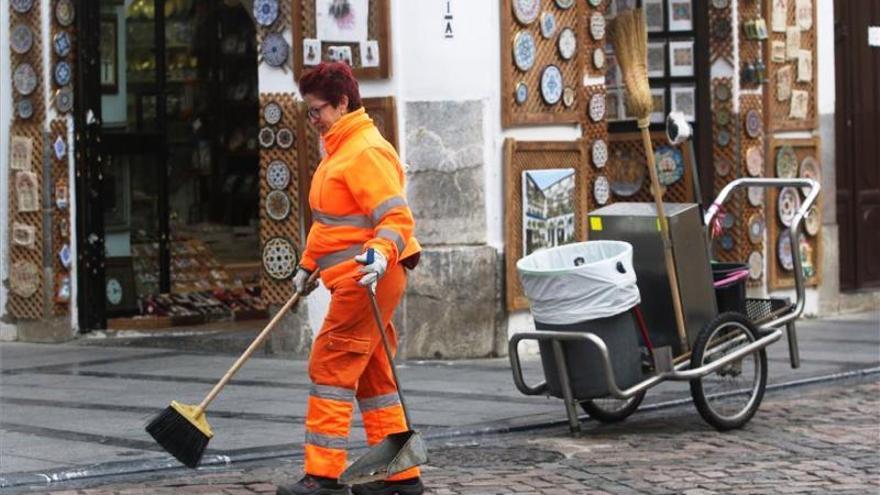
(253, 347)
(664, 230)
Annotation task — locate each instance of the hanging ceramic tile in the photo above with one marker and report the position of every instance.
(756, 228)
(756, 265)
(278, 175)
(21, 152)
(813, 221)
(60, 148)
(756, 195)
(526, 11)
(62, 195)
(670, 165)
(568, 96)
(279, 258)
(27, 192)
(597, 26)
(754, 161)
(24, 278)
(24, 79)
(521, 93)
(284, 138)
(272, 113)
(277, 205)
(24, 235)
(806, 253)
(266, 137)
(61, 44)
(804, 14)
(567, 44)
(597, 107)
(65, 256)
(548, 25)
(601, 190)
(600, 153)
(524, 50)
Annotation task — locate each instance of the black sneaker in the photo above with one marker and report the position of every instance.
(314, 485)
(410, 486)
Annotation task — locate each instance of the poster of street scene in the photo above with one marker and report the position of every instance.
(548, 208)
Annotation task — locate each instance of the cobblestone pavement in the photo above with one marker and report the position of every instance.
(806, 440)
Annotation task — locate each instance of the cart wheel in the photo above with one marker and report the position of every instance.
(611, 410)
(728, 397)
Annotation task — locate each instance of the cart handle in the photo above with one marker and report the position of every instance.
(814, 186)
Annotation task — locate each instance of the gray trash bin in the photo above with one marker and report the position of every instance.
(585, 287)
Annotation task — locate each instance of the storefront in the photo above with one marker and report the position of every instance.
(177, 163)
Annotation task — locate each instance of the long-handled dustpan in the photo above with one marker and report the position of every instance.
(398, 451)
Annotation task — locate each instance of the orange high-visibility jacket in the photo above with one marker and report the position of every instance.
(357, 201)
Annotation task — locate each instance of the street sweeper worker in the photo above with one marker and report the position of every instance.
(358, 203)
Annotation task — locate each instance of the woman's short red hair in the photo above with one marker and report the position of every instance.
(329, 81)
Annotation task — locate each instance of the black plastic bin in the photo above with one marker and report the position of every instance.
(731, 297)
(585, 370)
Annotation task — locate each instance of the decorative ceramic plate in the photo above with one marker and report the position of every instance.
(277, 175)
(595, 3)
(722, 92)
(783, 251)
(551, 85)
(548, 24)
(22, 39)
(62, 73)
(788, 203)
(275, 49)
(597, 107)
(279, 258)
(723, 138)
(756, 228)
(24, 79)
(272, 113)
(265, 12)
(670, 165)
(756, 195)
(526, 11)
(599, 58)
(22, 6)
(277, 205)
(809, 170)
(521, 94)
(64, 99)
(266, 137)
(284, 138)
(568, 96)
(597, 26)
(600, 153)
(24, 278)
(813, 221)
(524, 50)
(64, 12)
(727, 242)
(627, 175)
(728, 221)
(567, 43)
(722, 117)
(756, 265)
(806, 253)
(61, 43)
(720, 4)
(754, 161)
(601, 190)
(24, 108)
(786, 162)
(565, 4)
(722, 167)
(60, 148)
(754, 127)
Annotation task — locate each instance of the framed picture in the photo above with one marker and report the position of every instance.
(800, 104)
(681, 58)
(658, 114)
(777, 51)
(805, 66)
(684, 100)
(311, 51)
(531, 221)
(342, 20)
(119, 289)
(681, 15)
(654, 15)
(370, 53)
(109, 55)
(656, 59)
(340, 54)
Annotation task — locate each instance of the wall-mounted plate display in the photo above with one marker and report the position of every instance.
(597, 107)
(756, 228)
(670, 165)
(754, 161)
(266, 137)
(722, 166)
(526, 11)
(551, 85)
(22, 39)
(756, 265)
(597, 26)
(786, 162)
(756, 195)
(64, 99)
(599, 58)
(783, 251)
(284, 138)
(809, 169)
(22, 6)
(788, 202)
(61, 44)
(601, 190)
(567, 43)
(524, 49)
(64, 12)
(24, 108)
(278, 175)
(600, 153)
(272, 113)
(63, 73)
(277, 205)
(24, 79)
(813, 221)
(548, 24)
(279, 258)
(521, 93)
(275, 49)
(265, 12)
(754, 126)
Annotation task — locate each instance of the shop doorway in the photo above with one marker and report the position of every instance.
(858, 150)
(170, 163)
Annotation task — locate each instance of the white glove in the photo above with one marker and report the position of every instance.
(300, 278)
(373, 270)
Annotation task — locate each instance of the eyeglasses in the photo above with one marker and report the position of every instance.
(315, 112)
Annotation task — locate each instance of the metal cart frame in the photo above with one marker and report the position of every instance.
(768, 316)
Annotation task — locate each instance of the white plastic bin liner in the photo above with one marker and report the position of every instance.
(579, 282)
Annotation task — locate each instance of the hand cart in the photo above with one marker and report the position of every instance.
(726, 364)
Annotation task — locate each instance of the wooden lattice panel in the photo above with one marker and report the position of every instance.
(721, 47)
(778, 111)
(535, 110)
(749, 50)
(34, 57)
(279, 291)
(60, 216)
(535, 155)
(378, 28)
(777, 276)
(586, 45)
(592, 132)
(735, 204)
(32, 307)
(630, 145)
(747, 103)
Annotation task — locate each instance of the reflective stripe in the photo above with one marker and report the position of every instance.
(326, 441)
(385, 207)
(332, 393)
(378, 402)
(333, 259)
(394, 237)
(362, 221)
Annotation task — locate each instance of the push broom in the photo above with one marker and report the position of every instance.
(628, 33)
(182, 429)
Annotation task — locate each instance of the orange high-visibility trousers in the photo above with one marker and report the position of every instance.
(348, 361)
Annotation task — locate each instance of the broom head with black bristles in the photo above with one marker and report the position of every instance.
(183, 431)
(629, 35)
